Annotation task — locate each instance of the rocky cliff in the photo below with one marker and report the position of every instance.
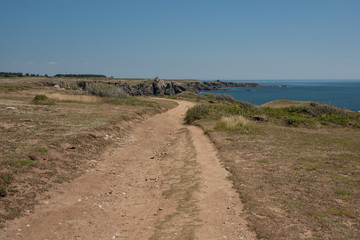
(154, 87)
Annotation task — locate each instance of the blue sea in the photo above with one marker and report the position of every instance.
(341, 93)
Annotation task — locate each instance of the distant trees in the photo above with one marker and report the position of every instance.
(10, 74)
(81, 75)
(19, 74)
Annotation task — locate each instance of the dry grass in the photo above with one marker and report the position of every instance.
(295, 182)
(43, 145)
(234, 123)
(285, 103)
(75, 98)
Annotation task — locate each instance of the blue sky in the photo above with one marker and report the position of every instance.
(205, 39)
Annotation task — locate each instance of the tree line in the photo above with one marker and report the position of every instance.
(19, 74)
(81, 75)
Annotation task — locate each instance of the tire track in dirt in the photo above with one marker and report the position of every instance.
(164, 182)
(220, 206)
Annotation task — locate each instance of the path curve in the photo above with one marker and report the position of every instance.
(123, 196)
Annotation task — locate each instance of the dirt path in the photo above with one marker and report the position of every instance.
(164, 182)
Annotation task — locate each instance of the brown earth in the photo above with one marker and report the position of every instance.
(164, 182)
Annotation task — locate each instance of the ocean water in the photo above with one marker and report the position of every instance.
(341, 93)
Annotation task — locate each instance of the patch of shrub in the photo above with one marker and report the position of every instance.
(224, 97)
(296, 121)
(210, 97)
(106, 90)
(190, 95)
(337, 119)
(5, 178)
(246, 105)
(42, 100)
(3, 192)
(195, 113)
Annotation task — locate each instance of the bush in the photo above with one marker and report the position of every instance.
(191, 95)
(224, 97)
(195, 113)
(3, 192)
(246, 105)
(42, 100)
(296, 121)
(315, 109)
(106, 90)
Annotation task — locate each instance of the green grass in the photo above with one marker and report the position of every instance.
(311, 115)
(3, 191)
(42, 150)
(341, 212)
(21, 162)
(42, 99)
(5, 88)
(343, 192)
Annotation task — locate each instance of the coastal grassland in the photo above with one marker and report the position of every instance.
(49, 136)
(298, 179)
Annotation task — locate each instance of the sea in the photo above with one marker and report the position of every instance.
(340, 93)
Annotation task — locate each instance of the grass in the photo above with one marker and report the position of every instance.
(311, 115)
(43, 100)
(20, 163)
(298, 173)
(43, 150)
(6, 88)
(105, 90)
(39, 135)
(234, 123)
(343, 192)
(183, 183)
(76, 98)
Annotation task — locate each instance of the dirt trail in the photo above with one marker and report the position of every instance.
(165, 182)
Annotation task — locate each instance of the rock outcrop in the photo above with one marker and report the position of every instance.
(161, 87)
(156, 87)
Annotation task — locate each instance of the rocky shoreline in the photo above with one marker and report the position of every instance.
(145, 87)
(156, 87)
(161, 87)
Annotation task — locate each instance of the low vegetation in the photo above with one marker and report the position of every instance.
(50, 135)
(234, 123)
(106, 90)
(295, 166)
(43, 100)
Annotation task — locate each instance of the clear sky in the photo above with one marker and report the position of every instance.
(205, 39)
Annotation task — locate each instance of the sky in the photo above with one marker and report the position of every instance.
(202, 39)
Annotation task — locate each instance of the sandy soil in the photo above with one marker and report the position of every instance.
(164, 182)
